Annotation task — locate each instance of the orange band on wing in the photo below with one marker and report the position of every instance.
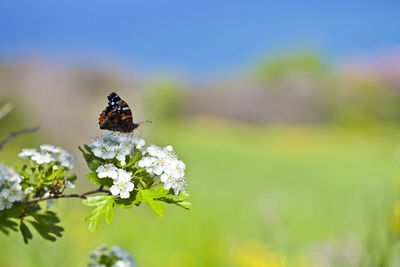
(108, 114)
(101, 117)
(127, 116)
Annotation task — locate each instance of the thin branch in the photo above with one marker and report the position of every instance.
(18, 133)
(81, 195)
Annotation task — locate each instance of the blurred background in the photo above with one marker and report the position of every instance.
(285, 113)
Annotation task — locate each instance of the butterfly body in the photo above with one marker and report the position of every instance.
(117, 116)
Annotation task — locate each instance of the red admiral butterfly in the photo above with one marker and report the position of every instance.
(117, 116)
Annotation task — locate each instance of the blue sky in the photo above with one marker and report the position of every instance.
(197, 37)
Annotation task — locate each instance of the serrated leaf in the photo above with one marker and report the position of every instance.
(149, 196)
(6, 225)
(46, 225)
(26, 233)
(88, 149)
(94, 201)
(90, 158)
(93, 164)
(178, 200)
(109, 213)
(184, 204)
(104, 205)
(93, 178)
(42, 231)
(16, 211)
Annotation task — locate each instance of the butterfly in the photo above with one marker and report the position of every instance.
(117, 116)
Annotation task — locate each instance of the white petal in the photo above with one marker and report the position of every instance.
(124, 194)
(164, 177)
(114, 190)
(129, 186)
(123, 175)
(167, 186)
(97, 152)
(121, 156)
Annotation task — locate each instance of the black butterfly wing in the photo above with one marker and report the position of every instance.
(117, 116)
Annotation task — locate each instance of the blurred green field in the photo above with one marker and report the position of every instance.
(287, 188)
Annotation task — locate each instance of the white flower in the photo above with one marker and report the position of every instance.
(138, 142)
(120, 257)
(146, 162)
(49, 153)
(59, 154)
(16, 193)
(110, 146)
(28, 190)
(176, 184)
(121, 188)
(5, 203)
(107, 170)
(5, 193)
(68, 184)
(121, 154)
(51, 149)
(10, 188)
(177, 169)
(122, 184)
(66, 160)
(121, 263)
(123, 255)
(163, 163)
(41, 158)
(154, 151)
(124, 175)
(103, 152)
(27, 153)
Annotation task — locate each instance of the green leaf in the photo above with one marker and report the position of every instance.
(46, 225)
(90, 158)
(16, 211)
(178, 200)
(26, 233)
(93, 178)
(109, 213)
(150, 196)
(93, 164)
(6, 225)
(88, 149)
(71, 177)
(184, 204)
(104, 205)
(106, 182)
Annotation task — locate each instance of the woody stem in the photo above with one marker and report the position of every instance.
(81, 195)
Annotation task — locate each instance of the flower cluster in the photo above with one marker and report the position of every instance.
(47, 154)
(133, 173)
(117, 257)
(122, 184)
(109, 146)
(10, 188)
(162, 162)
